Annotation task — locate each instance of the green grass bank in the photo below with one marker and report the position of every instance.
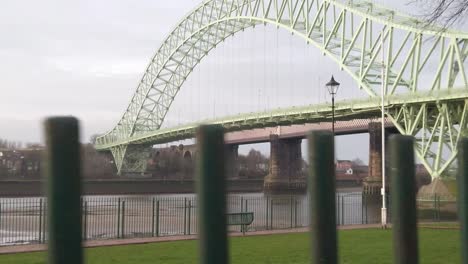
(355, 246)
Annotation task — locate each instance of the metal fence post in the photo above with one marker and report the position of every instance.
(242, 204)
(362, 208)
(295, 212)
(44, 220)
(118, 218)
(402, 173)
(266, 213)
(85, 224)
(157, 218)
(342, 210)
(246, 210)
(438, 208)
(122, 231)
(366, 213)
(462, 182)
(185, 215)
(152, 217)
(189, 215)
(63, 159)
(211, 195)
(291, 211)
(40, 219)
(271, 214)
(322, 197)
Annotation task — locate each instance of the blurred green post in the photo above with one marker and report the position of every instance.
(211, 195)
(322, 198)
(462, 183)
(63, 174)
(402, 174)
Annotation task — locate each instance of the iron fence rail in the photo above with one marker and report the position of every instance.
(24, 220)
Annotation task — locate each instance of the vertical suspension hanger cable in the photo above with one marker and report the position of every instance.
(290, 67)
(267, 104)
(231, 75)
(277, 69)
(198, 93)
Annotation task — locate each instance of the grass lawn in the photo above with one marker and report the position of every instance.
(356, 246)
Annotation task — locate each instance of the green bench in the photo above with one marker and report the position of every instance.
(242, 219)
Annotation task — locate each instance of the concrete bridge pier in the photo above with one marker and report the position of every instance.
(232, 161)
(372, 185)
(285, 167)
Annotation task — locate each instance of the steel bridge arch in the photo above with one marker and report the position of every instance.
(328, 24)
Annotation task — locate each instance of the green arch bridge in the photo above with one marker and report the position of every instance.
(422, 75)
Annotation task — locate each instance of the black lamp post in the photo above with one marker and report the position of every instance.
(332, 87)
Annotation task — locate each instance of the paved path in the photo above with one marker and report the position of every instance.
(128, 241)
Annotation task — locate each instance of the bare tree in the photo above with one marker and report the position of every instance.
(444, 12)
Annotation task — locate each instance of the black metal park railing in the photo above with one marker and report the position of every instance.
(24, 220)
(65, 205)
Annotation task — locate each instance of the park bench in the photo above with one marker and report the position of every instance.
(242, 219)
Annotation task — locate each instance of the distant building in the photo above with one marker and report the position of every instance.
(350, 174)
(20, 163)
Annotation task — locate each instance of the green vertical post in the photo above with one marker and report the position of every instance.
(402, 173)
(322, 197)
(211, 195)
(63, 173)
(462, 183)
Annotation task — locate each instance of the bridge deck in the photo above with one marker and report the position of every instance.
(344, 110)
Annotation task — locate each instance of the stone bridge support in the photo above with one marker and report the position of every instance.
(372, 185)
(232, 161)
(285, 166)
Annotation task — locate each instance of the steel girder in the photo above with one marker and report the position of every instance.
(131, 158)
(437, 127)
(352, 33)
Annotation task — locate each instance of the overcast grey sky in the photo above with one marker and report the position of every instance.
(85, 58)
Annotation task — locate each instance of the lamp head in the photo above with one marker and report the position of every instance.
(332, 86)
